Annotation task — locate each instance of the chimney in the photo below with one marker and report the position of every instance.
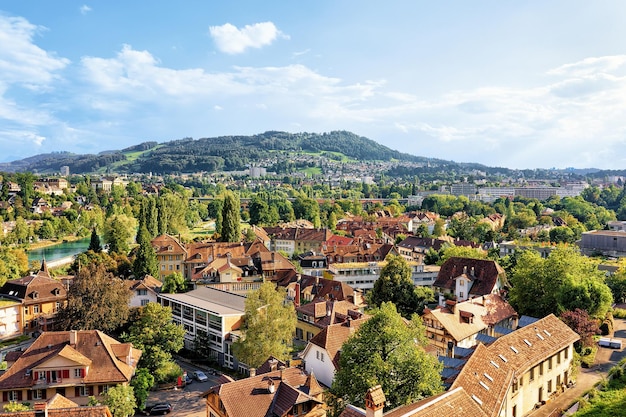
(73, 337)
(270, 386)
(374, 402)
(282, 370)
(252, 372)
(273, 364)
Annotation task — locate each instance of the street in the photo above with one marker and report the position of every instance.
(188, 401)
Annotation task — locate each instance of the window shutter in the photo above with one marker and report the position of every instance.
(76, 392)
(44, 393)
(91, 390)
(29, 395)
(82, 372)
(66, 373)
(48, 376)
(99, 389)
(19, 395)
(5, 397)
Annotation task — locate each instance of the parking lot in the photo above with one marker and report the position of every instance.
(187, 401)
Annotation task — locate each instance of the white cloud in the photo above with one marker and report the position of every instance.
(231, 40)
(84, 9)
(21, 61)
(591, 65)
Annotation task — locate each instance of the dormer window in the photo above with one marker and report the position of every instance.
(35, 294)
(56, 291)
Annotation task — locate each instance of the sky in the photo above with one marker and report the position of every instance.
(516, 84)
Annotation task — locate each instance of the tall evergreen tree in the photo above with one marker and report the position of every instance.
(231, 228)
(145, 261)
(94, 243)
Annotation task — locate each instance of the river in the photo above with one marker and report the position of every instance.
(60, 250)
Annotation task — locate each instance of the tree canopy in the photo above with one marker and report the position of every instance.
(565, 280)
(387, 350)
(269, 325)
(96, 299)
(231, 228)
(395, 284)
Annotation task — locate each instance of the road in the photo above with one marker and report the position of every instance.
(188, 401)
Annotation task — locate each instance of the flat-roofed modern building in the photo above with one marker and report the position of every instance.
(209, 315)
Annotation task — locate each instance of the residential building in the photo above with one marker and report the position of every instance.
(59, 406)
(362, 275)
(208, 315)
(309, 288)
(510, 247)
(321, 354)
(296, 239)
(312, 263)
(358, 252)
(144, 291)
(208, 262)
(464, 278)
(280, 392)
(41, 297)
(10, 318)
(460, 324)
(604, 242)
(75, 364)
(617, 225)
(414, 248)
(171, 255)
(520, 370)
(315, 316)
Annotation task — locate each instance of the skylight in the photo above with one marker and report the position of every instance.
(495, 364)
(547, 332)
(514, 350)
(475, 398)
(488, 376)
(482, 384)
(540, 336)
(502, 357)
(527, 342)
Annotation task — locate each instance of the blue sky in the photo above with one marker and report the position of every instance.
(519, 84)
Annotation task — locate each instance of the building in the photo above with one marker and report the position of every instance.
(75, 364)
(144, 291)
(296, 239)
(362, 275)
(603, 242)
(279, 392)
(59, 406)
(315, 316)
(520, 370)
(171, 255)
(460, 324)
(464, 278)
(10, 318)
(208, 315)
(41, 297)
(321, 354)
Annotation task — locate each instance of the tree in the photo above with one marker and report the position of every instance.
(145, 259)
(94, 243)
(395, 284)
(452, 251)
(13, 264)
(96, 299)
(173, 283)
(141, 383)
(118, 231)
(121, 400)
(565, 280)
(579, 321)
(157, 337)
(231, 228)
(439, 229)
(269, 325)
(387, 350)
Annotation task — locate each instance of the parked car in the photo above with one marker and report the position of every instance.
(200, 376)
(159, 408)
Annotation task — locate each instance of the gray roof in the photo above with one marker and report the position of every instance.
(215, 301)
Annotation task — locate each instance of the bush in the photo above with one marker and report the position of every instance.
(588, 357)
(607, 325)
(619, 313)
(168, 372)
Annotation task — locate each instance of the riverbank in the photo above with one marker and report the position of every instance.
(48, 242)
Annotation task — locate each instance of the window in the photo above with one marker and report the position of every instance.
(461, 282)
(541, 368)
(57, 306)
(38, 394)
(142, 292)
(14, 395)
(79, 373)
(558, 358)
(26, 310)
(461, 294)
(144, 302)
(550, 386)
(532, 373)
(41, 375)
(36, 309)
(550, 363)
(566, 351)
(83, 391)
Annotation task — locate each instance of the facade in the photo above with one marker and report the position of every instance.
(296, 239)
(321, 354)
(144, 290)
(75, 364)
(605, 242)
(520, 370)
(464, 278)
(362, 275)
(171, 255)
(209, 315)
(41, 297)
(459, 324)
(280, 392)
(314, 317)
(10, 318)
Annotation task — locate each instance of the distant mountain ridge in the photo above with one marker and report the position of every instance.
(212, 154)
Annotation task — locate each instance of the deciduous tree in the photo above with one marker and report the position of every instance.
(387, 350)
(269, 326)
(121, 400)
(96, 299)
